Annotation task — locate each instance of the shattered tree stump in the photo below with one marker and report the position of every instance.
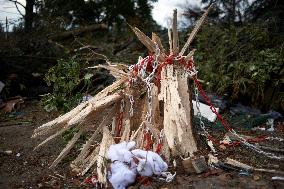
(176, 95)
(140, 106)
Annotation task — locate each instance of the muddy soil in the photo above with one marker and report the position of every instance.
(28, 168)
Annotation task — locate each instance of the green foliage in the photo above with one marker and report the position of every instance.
(240, 51)
(270, 12)
(241, 62)
(64, 79)
(227, 11)
(115, 14)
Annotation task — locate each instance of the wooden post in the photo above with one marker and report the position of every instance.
(6, 28)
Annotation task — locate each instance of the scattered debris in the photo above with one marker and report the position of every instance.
(244, 173)
(259, 128)
(246, 167)
(123, 169)
(212, 160)
(270, 123)
(210, 144)
(127, 162)
(227, 167)
(195, 164)
(238, 164)
(269, 171)
(205, 111)
(92, 180)
(12, 104)
(231, 139)
(277, 178)
(6, 152)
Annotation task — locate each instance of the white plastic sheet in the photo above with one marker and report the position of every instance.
(205, 111)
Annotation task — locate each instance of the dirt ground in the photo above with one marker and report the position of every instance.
(25, 168)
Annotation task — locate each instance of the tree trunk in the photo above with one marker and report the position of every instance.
(29, 16)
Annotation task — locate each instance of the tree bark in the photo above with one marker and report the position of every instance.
(29, 16)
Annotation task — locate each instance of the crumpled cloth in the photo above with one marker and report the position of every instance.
(128, 162)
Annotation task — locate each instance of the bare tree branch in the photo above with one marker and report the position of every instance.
(19, 10)
(16, 4)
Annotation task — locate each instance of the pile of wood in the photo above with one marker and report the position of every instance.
(106, 118)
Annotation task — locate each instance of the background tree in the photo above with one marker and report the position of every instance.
(28, 15)
(113, 13)
(269, 12)
(241, 50)
(225, 11)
